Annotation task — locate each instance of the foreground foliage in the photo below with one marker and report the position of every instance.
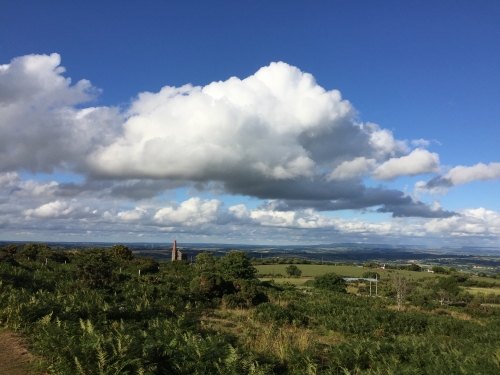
(93, 312)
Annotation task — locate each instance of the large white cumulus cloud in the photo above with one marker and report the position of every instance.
(276, 124)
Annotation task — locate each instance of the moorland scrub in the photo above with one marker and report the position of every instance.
(105, 311)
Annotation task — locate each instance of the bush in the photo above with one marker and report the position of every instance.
(7, 258)
(235, 265)
(122, 252)
(438, 269)
(95, 268)
(270, 313)
(293, 270)
(331, 281)
(33, 250)
(410, 267)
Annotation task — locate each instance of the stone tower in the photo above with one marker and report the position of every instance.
(177, 254)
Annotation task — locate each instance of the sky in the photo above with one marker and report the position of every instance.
(250, 122)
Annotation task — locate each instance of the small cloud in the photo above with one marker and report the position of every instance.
(458, 176)
(420, 142)
(353, 169)
(419, 161)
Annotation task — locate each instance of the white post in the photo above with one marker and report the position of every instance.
(139, 272)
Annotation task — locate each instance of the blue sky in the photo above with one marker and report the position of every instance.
(426, 73)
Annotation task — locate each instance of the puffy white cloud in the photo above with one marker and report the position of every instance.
(277, 124)
(132, 215)
(480, 171)
(419, 161)
(384, 143)
(192, 212)
(459, 175)
(41, 128)
(53, 210)
(471, 222)
(267, 216)
(38, 79)
(352, 168)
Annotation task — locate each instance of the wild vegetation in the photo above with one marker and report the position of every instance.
(105, 311)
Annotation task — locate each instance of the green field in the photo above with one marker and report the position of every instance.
(477, 290)
(487, 280)
(312, 270)
(297, 281)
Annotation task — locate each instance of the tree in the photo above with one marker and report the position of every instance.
(34, 250)
(445, 289)
(402, 288)
(205, 262)
(293, 270)
(10, 249)
(235, 265)
(331, 281)
(7, 255)
(122, 252)
(438, 269)
(410, 267)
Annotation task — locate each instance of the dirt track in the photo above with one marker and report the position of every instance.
(14, 358)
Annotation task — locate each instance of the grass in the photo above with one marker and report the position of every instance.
(312, 270)
(476, 290)
(487, 279)
(267, 338)
(292, 280)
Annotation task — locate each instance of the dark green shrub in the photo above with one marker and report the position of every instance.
(438, 269)
(293, 270)
(95, 268)
(7, 258)
(235, 265)
(251, 291)
(331, 281)
(145, 265)
(32, 250)
(121, 252)
(209, 286)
